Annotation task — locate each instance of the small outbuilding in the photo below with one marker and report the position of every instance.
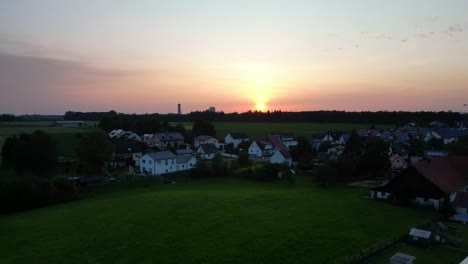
(420, 237)
(400, 258)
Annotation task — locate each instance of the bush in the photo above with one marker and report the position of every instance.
(64, 189)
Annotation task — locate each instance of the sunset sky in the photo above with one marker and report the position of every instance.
(148, 56)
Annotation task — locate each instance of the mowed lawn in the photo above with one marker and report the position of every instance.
(207, 221)
(261, 130)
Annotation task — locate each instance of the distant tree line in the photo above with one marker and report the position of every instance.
(381, 117)
(7, 118)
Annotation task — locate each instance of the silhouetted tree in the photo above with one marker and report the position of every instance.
(94, 150)
(203, 127)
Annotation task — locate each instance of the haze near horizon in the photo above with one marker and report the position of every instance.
(148, 56)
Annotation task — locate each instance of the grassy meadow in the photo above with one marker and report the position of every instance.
(221, 220)
(67, 138)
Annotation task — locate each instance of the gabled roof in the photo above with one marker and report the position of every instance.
(396, 157)
(238, 135)
(183, 158)
(448, 173)
(203, 138)
(284, 135)
(161, 155)
(277, 142)
(285, 153)
(209, 148)
(169, 136)
(263, 144)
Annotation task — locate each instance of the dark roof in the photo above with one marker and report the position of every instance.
(161, 155)
(183, 158)
(276, 141)
(262, 144)
(451, 132)
(184, 151)
(285, 153)
(127, 147)
(447, 173)
(238, 135)
(209, 148)
(203, 138)
(170, 136)
(284, 135)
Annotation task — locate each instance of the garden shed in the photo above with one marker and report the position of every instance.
(400, 258)
(420, 237)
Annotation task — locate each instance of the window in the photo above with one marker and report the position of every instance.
(144, 161)
(150, 161)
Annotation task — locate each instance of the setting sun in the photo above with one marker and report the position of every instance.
(260, 106)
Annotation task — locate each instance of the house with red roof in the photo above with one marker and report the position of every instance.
(428, 182)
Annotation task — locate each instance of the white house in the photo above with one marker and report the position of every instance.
(207, 151)
(185, 162)
(156, 163)
(200, 140)
(261, 149)
(281, 156)
(236, 138)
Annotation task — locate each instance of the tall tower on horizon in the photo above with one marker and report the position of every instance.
(179, 109)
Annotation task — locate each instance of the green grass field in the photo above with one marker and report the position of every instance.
(66, 137)
(207, 221)
(261, 130)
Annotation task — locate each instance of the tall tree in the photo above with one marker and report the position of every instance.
(94, 150)
(203, 127)
(30, 153)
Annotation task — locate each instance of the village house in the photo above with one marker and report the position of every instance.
(236, 138)
(207, 151)
(168, 139)
(126, 154)
(288, 139)
(281, 156)
(204, 139)
(185, 162)
(261, 149)
(156, 163)
(428, 182)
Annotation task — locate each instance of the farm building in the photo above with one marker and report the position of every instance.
(70, 123)
(236, 138)
(428, 182)
(400, 258)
